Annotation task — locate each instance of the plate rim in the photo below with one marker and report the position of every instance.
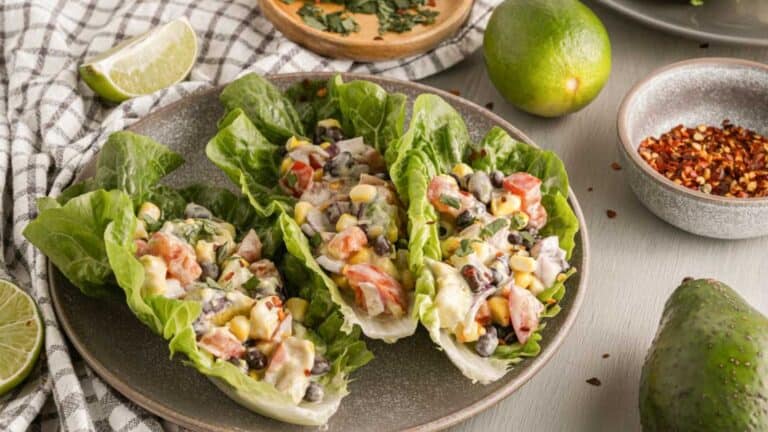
(690, 33)
(537, 363)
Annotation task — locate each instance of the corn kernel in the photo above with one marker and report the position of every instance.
(325, 145)
(499, 310)
(467, 334)
(285, 165)
(297, 306)
(300, 212)
(392, 233)
(450, 245)
(461, 170)
(561, 277)
(519, 220)
(375, 231)
(362, 193)
(341, 281)
(345, 221)
(294, 143)
(362, 256)
(523, 279)
(537, 287)
(257, 375)
(387, 266)
(407, 280)
(150, 211)
(482, 250)
(318, 174)
(522, 263)
(240, 326)
(329, 123)
(505, 205)
(141, 230)
(204, 251)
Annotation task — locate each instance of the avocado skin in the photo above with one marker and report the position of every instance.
(706, 369)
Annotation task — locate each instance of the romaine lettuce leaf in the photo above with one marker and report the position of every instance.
(371, 112)
(315, 100)
(131, 163)
(266, 107)
(72, 236)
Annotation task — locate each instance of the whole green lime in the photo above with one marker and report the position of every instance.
(547, 57)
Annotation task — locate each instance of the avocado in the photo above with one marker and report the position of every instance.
(706, 369)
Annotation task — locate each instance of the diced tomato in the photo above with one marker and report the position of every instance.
(250, 247)
(222, 343)
(347, 242)
(524, 312)
(524, 185)
(391, 292)
(179, 256)
(297, 179)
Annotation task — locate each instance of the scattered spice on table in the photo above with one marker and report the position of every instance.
(610, 213)
(489, 106)
(729, 161)
(606, 355)
(454, 92)
(590, 189)
(594, 381)
(615, 166)
(398, 16)
(704, 45)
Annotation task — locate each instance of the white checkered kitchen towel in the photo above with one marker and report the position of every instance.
(51, 124)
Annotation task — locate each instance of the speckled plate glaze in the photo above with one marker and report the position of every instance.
(694, 92)
(409, 386)
(732, 21)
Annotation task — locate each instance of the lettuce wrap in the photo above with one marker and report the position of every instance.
(249, 152)
(436, 141)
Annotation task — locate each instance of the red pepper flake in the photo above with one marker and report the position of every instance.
(730, 161)
(610, 213)
(594, 381)
(615, 166)
(431, 3)
(606, 355)
(322, 91)
(378, 38)
(454, 92)
(489, 106)
(307, 372)
(590, 189)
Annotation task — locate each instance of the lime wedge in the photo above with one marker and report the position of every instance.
(143, 64)
(21, 335)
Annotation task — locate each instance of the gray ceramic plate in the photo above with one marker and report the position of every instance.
(732, 21)
(409, 386)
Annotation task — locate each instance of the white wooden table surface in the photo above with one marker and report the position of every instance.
(637, 259)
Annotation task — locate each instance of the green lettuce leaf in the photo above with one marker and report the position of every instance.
(72, 236)
(315, 100)
(131, 163)
(173, 319)
(248, 159)
(371, 112)
(272, 113)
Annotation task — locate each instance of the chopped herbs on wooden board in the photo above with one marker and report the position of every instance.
(396, 16)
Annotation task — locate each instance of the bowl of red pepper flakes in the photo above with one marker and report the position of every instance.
(693, 137)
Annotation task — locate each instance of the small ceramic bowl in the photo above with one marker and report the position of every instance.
(694, 92)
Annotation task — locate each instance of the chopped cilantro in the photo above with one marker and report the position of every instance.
(397, 16)
(251, 284)
(291, 179)
(450, 201)
(316, 240)
(493, 227)
(465, 248)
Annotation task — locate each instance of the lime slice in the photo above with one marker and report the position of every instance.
(21, 335)
(143, 64)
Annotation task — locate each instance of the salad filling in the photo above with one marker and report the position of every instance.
(245, 316)
(495, 262)
(349, 211)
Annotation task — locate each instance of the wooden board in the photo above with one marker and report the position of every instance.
(367, 45)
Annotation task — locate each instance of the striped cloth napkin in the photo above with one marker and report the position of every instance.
(52, 123)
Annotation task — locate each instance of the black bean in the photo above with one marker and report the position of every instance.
(319, 135)
(314, 392)
(515, 238)
(476, 279)
(465, 218)
(321, 366)
(457, 178)
(255, 358)
(480, 186)
(382, 175)
(334, 134)
(486, 345)
(497, 179)
(210, 270)
(382, 246)
(195, 211)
